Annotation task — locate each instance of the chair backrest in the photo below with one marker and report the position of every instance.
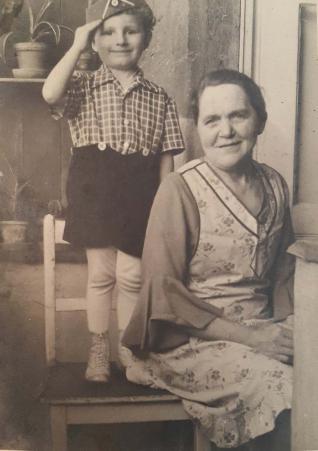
(66, 336)
(66, 333)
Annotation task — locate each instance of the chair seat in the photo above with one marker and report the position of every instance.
(66, 385)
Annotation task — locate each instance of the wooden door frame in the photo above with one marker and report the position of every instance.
(278, 146)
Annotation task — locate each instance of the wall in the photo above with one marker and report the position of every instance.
(191, 37)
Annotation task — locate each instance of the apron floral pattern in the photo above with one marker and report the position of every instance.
(231, 390)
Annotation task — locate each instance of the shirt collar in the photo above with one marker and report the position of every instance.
(104, 75)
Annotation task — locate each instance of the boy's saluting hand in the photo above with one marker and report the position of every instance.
(56, 83)
(83, 35)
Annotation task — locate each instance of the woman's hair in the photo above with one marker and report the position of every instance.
(233, 77)
(148, 20)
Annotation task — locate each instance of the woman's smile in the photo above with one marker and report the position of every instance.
(228, 145)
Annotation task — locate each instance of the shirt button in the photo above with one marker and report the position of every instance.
(102, 146)
(126, 146)
(126, 121)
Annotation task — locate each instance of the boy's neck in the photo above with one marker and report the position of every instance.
(125, 77)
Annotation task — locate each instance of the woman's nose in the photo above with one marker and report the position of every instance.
(226, 130)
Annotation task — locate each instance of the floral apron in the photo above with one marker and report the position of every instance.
(234, 392)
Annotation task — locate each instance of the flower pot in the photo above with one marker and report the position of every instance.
(13, 231)
(32, 59)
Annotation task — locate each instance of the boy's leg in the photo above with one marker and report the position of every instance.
(128, 278)
(101, 281)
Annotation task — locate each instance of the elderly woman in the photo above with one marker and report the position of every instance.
(213, 324)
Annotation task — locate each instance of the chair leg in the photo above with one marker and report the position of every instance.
(201, 441)
(58, 428)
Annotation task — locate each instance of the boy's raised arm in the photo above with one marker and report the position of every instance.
(57, 81)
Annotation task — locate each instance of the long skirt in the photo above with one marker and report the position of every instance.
(234, 392)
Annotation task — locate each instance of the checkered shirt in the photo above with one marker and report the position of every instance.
(141, 119)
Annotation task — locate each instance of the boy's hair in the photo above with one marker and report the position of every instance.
(234, 77)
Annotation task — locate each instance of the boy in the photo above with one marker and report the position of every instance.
(125, 131)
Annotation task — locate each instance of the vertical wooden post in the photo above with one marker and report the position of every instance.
(49, 287)
(58, 428)
(200, 441)
(305, 391)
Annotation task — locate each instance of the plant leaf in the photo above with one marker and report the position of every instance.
(44, 27)
(45, 6)
(7, 41)
(3, 43)
(30, 14)
(9, 10)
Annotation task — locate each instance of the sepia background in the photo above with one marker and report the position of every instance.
(190, 37)
(275, 41)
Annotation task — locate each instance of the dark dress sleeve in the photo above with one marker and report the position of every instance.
(284, 269)
(166, 307)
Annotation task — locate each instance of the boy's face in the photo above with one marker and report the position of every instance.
(120, 41)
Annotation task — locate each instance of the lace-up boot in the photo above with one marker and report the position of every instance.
(98, 367)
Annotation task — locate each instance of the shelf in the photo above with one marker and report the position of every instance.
(22, 80)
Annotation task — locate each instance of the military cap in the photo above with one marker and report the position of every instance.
(103, 9)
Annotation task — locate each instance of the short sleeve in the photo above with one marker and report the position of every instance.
(172, 135)
(69, 107)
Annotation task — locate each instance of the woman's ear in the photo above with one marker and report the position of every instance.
(261, 127)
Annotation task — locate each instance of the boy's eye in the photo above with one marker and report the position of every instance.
(106, 32)
(211, 121)
(132, 31)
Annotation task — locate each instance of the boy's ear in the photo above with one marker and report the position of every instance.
(147, 40)
(93, 45)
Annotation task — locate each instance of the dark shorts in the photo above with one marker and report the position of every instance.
(109, 198)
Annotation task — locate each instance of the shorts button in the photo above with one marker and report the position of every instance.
(126, 146)
(145, 152)
(102, 146)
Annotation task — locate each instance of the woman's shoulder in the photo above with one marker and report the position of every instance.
(270, 171)
(175, 191)
(189, 166)
(274, 177)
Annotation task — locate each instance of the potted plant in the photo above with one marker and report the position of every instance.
(33, 45)
(18, 203)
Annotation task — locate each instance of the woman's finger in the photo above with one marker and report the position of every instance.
(286, 350)
(282, 358)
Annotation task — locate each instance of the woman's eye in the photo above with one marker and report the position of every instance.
(106, 32)
(132, 31)
(242, 115)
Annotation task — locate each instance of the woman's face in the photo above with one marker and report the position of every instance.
(228, 125)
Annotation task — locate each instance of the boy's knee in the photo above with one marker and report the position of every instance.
(128, 277)
(99, 278)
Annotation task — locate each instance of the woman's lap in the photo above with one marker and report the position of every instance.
(235, 393)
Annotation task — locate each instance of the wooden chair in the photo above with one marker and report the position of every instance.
(71, 399)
